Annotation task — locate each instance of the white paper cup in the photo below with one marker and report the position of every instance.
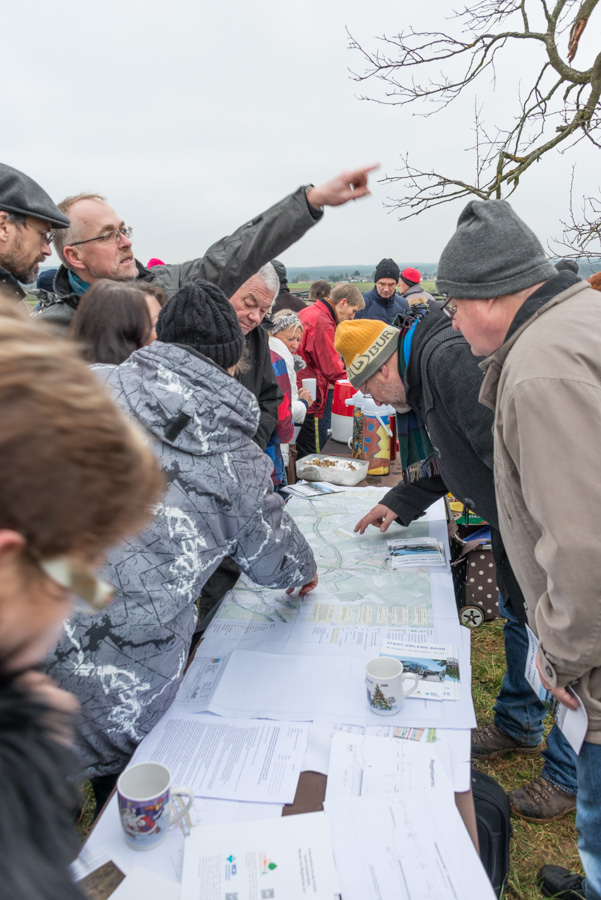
(310, 384)
(385, 683)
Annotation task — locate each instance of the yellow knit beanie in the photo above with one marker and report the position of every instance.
(365, 345)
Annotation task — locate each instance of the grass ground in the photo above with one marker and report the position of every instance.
(532, 846)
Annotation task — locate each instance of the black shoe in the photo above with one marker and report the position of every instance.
(555, 881)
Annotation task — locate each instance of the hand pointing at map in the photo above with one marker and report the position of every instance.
(380, 516)
(310, 586)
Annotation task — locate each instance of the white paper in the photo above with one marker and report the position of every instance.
(249, 760)
(411, 847)
(290, 858)
(319, 688)
(573, 723)
(106, 840)
(142, 884)
(361, 765)
(456, 745)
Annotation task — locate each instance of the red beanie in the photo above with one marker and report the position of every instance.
(411, 276)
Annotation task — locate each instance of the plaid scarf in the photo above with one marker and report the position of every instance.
(418, 458)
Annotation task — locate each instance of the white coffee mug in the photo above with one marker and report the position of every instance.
(310, 384)
(144, 793)
(385, 682)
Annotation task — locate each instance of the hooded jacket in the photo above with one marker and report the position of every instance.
(228, 263)
(125, 663)
(544, 384)
(442, 383)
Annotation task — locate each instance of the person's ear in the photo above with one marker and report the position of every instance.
(73, 258)
(4, 227)
(12, 544)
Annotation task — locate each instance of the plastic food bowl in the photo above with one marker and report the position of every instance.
(337, 469)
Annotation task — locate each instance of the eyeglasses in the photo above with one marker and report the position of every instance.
(90, 592)
(48, 236)
(449, 311)
(109, 237)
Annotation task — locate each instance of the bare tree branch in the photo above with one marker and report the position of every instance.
(431, 69)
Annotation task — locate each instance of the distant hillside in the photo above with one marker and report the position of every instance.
(427, 270)
(348, 272)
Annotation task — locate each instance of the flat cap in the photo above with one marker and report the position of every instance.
(21, 194)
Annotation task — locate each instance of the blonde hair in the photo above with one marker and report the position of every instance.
(77, 476)
(291, 327)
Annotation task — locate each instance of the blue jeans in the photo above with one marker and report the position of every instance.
(588, 817)
(520, 713)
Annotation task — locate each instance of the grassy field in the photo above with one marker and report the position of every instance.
(532, 846)
(362, 285)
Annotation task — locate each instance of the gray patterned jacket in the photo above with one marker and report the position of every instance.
(125, 663)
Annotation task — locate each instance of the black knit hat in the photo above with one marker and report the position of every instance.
(280, 270)
(201, 316)
(21, 194)
(387, 268)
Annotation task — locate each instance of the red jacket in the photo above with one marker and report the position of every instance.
(317, 349)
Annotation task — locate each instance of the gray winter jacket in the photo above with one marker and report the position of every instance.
(228, 262)
(125, 663)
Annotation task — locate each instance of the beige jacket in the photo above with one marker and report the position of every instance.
(544, 385)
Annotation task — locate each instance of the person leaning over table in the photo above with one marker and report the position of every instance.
(541, 333)
(323, 362)
(125, 665)
(66, 494)
(97, 244)
(429, 374)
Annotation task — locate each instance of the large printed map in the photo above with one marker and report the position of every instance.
(357, 586)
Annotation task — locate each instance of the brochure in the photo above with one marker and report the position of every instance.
(417, 551)
(436, 665)
(573, 723)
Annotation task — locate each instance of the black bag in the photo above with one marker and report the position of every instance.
(494, 827)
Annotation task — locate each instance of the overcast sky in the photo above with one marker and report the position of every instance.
(192, 117)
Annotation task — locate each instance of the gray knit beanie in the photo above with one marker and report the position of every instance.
(200, 316)
(492, 253)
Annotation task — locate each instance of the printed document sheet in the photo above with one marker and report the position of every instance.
(410, 847)
(249, 760)
(290, 858)
(361, 765)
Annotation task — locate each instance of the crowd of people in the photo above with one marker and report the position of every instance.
(149, 418)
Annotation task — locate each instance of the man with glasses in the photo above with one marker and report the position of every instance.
(98, 245)
(28, 218)
(428, 372)
(541, 332)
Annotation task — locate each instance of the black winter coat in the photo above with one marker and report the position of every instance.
(443, 382)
